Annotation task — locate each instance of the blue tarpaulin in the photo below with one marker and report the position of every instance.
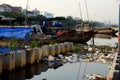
(7, 50)
(45, 23)
(18, 32)
(57, 24)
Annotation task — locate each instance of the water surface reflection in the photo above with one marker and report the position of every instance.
(29, 71)
(53, 71)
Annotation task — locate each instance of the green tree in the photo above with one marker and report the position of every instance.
(70, 22)
(12, 14)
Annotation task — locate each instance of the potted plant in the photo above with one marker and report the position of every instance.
(34, 43)
(13, 44)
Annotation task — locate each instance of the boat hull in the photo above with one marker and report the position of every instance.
(75, 37)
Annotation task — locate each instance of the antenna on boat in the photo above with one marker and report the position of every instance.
(80, 10)
(26, 17)
(87, 10)
(93, 42)
(88, 20)
(81, 24)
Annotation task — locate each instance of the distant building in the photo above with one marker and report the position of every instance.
(16, 9)
(4, 8)
(76, 18)
(48, 15)
(23, 10)
(35, 11)
(31, 13)
(9, 8)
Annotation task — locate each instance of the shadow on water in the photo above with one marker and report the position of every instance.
(29, 71)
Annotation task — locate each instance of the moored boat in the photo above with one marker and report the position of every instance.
(73, 36)
(106, 32)
(21, 34)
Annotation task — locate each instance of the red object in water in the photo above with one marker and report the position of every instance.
(110, 79)
(119, 38)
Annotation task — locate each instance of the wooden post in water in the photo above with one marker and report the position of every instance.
(93, 35)
(119, 31)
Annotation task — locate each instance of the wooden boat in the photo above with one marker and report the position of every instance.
(74, 36)
(106, 31)
(71, 35)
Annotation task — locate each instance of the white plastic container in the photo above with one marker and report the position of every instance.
(45, 50)
(57, 49)
(52, 50)
(67, 46)
(71, 46)
(38, 53)
(30, 56)
(20, 58)
(62, 47)
(9, 61)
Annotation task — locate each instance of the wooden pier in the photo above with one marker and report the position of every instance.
(114, 73)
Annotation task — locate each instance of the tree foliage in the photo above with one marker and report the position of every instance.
(12, 14)
(68, 22)
(21, 17)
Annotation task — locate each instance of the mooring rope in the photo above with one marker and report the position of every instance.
(79, 71)
(80, 10)
(87, 10)
(84, 70)
(83, 37)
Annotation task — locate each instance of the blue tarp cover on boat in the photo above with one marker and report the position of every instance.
(57, 24)
(45, 23)
(6, 50)
(18, 32)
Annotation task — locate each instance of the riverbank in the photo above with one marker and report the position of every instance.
(90, 59)
(86, 56)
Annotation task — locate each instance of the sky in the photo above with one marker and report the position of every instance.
(98, 10)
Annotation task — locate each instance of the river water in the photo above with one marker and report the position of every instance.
(68, 71)
(104, 41)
